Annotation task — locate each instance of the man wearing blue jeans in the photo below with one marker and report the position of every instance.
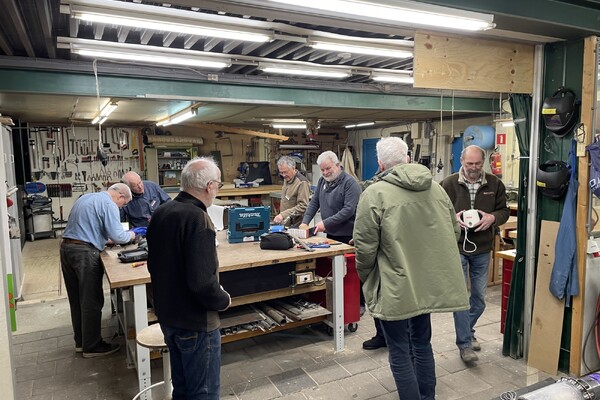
(480, 201)
(406, 257)
(184, 268)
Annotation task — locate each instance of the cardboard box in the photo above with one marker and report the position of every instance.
(170, 181)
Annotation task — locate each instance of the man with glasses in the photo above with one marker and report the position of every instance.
(147, 197)
(473, 189)
(93, 221)
(295, 193)
(184, 268)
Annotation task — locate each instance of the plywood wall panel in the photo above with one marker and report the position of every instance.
(464, 63)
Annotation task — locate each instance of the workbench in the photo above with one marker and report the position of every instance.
(128, 288)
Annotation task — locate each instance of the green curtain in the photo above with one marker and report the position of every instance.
(513, 330)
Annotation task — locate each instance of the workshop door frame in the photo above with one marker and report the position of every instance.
(369, 158)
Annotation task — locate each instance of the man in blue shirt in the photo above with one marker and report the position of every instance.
(93, 221)
(147, 196)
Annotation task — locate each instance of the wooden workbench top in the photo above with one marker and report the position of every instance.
(232, 256)
(231, 191)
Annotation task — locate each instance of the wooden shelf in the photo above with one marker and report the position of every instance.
(289, 325)
(275, 294)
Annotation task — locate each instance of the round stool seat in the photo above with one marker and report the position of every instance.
(151, 337)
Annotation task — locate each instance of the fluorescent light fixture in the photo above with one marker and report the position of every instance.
(142, 53)
(178, 117)
(361, 48)
(294, 69)
(359, 125)
(163, 19)
(105, 112)
(289, 126)
(397, 77)
(402, 12)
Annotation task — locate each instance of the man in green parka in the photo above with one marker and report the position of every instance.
(406, 256)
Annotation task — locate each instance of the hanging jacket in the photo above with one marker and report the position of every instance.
(564, 280)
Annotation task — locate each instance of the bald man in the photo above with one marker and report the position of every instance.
(147, 196)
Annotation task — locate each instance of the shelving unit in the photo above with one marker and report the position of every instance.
(165, 163)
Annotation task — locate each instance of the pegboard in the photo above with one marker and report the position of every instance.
(66, 160)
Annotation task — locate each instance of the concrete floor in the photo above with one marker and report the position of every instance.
(293, 365)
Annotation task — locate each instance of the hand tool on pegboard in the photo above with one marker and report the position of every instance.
(33, 152)
(53, 190)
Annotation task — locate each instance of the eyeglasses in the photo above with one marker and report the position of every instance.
(221, 184)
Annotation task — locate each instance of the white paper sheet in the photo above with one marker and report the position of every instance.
(215, 213)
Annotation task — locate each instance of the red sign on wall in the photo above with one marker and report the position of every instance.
(501, 138)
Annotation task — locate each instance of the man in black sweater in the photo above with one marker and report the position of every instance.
(183, 265)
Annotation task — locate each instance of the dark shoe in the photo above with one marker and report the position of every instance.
(78, 349)
(103, 349)
(475, 344)
(468, 355)
(374, 343)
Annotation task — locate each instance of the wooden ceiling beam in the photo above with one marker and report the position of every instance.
(247, 132)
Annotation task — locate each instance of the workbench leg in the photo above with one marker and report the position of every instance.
(339, 271)
(142, 353)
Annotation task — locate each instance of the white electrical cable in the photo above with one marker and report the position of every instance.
(466, 240)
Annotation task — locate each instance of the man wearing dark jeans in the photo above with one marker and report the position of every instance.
(94, 219)
(471, 188)
(183, 265)
(405, 234)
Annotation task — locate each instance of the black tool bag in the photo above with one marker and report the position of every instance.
(276, 241)
(128, 256)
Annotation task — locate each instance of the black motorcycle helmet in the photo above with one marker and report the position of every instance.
(553, 178)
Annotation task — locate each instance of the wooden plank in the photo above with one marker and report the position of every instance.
(583, 194)
(464, 63)
(275, 294)
(548, 311)
(231, 191)
(247, 132)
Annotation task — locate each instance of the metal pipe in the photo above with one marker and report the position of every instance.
(299, 147)
(534, 143)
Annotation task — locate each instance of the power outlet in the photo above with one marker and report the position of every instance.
(304, 277)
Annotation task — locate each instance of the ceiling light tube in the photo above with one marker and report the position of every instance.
(292, 69)
(177, 117)
(143, 53)
(105, 111)
(401, 12)
(373, 50)
(289, 126)
(162, 19)
(397, 77)
(359, 125)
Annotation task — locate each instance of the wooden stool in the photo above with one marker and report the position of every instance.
(153, 339)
